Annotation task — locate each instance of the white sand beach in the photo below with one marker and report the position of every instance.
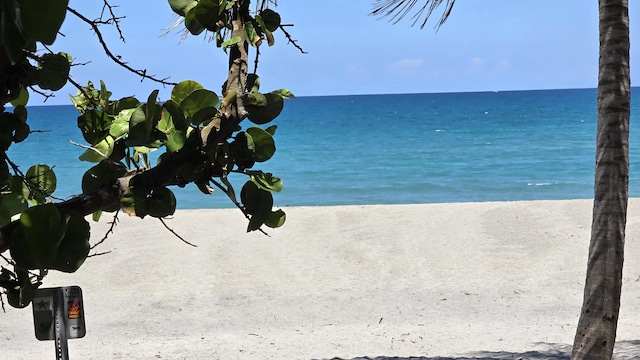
(500, 280)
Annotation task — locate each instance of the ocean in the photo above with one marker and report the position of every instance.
(395, 149)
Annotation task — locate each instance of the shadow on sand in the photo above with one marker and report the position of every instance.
(624, 350)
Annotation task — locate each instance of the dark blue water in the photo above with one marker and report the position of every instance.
(384, 149)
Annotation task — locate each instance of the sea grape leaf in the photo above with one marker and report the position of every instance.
(253, 83)
(120, 125)
(230, 42)
(192, 24)
(103, 174)
(37, 238)
(266, 181)
(41, 19)
(255, 98)
(275, 219)
(133, 202)
(94, 125)
(272, 129)
(53, 71)
(175, 138)
(12, 38)
(207, 12)
(250, 34)
(198, 99)
(177, 115)
(264, 114)
(22, 99)
(183, 89)
(181, 7)
(43, 178)
(161, 203)
(103, 150)
(21, 296)
(204, 115)
(284, 93)
(74, 246)
(139, 134)
(264, 145)
(271, 19)
(258, 204)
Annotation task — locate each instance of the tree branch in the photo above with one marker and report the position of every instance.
(116, 59)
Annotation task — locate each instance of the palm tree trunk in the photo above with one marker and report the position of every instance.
(596, 332)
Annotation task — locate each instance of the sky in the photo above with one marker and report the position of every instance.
(486, 45)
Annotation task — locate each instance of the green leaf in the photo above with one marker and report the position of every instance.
(284, 93)
(264, 114)
(103, 174)
(22, 99)
(175, 139)
(272, 129)
(41, 19)
(183, 89)
(264, 146)
(53, 71)
(161, 203)
(139, 134)
(275, 219)
(21, 296)
(192, 24)
(94, 125)
(181, 7)
(120, 125)
(74, 246)
(43, 178)
(255, 98)
(271, 19)
(177, 115)
(253, 83)
(104, 148)
(35, 242)
(230, 42)
(197, 100)
(266, 181)
(133, 202)
(250, 34)
(207, 12)
(257, 203)
(12, 38)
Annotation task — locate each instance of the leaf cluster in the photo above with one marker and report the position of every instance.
(198, 134)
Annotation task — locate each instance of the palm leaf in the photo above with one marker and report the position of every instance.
(396, 10)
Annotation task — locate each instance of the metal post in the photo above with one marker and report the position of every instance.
(60, 323)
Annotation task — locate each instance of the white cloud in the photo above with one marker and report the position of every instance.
(406, 64)
(353, 69)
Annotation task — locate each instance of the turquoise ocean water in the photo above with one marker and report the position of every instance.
(397, 149)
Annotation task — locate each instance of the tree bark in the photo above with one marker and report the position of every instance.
(596, 332)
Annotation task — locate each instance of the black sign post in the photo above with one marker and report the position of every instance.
(58, 314)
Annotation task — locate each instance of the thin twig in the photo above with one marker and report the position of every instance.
(113, 224)
(114, 19)
(290, 39)
(87, 147)
(141, 73)
(99, 254)
(8, 261)
(175, 233)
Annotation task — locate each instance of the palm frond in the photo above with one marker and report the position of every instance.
(396, 10)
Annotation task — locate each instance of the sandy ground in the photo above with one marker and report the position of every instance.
(496, 280)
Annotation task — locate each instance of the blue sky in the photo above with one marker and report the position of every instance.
(485, 45)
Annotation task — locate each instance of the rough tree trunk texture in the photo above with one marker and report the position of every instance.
(596, 332)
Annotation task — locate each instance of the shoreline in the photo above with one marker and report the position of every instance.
(426, 281)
